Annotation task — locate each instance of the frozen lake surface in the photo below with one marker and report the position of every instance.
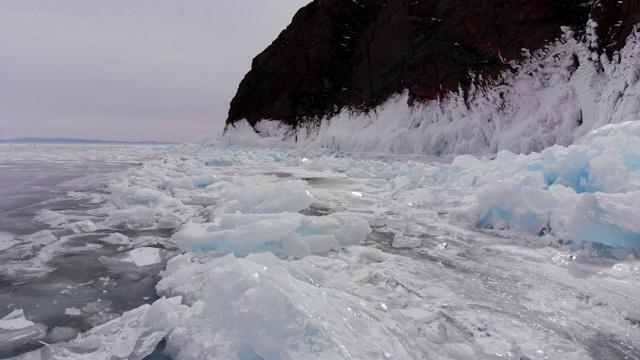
(48, 286)
(273, 254)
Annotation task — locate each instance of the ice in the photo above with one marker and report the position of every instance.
(138, 260)
(144, 256)
(133, 219)
(73, 312)
(465, 161)
(16, 330)
(242, 240)
(51, 218)
(416, 313)
(83, 226)
(116, 239)
(299, 253)
(293, 245)
(582, 191)
(265, 311)
(293, 233)
(124, 195)
(61, 333)
(134, 335)
(288, 196)
(7, 240)
(402, 241)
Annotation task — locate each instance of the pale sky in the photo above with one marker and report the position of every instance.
(128, 70)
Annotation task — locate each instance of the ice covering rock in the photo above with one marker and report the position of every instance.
(554, 96)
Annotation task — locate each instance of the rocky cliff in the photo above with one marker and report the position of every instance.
(354, 55)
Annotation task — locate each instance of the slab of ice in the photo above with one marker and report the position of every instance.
(61, 333)
(242, 240)
(416, 313)
(138, 260)
(16, 330)
(83, 226)
(134, 335)
(292, 233)
(256, 306)
(402, 241)
(285, 196)
(73, 311)
(116, 239)
(144, 256)
(51, 218)
(7, 240)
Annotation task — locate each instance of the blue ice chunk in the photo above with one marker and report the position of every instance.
(551, 177)
(593, 223)
(608, 234)
(277, 157)
(499, 215)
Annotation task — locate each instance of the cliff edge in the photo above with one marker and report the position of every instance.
(356, 55)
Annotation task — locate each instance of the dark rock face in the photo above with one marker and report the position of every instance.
(357, 53)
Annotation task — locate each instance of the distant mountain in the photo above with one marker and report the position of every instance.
(75, 141)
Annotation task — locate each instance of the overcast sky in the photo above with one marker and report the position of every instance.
(128, 70)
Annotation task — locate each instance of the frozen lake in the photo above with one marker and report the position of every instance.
(261, 254)
(69, 180)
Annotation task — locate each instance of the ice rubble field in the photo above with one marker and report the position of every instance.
(286, 255)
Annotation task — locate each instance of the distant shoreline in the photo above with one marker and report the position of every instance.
(71, 141)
